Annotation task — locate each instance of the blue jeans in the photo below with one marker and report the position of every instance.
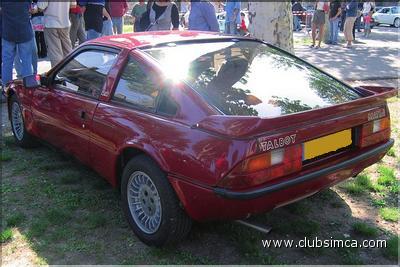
(296, 23)
(230, 27)
(18, 63)
(107, 28)
(9, 50)
(334, 30)
(118, 24)
(92, 34)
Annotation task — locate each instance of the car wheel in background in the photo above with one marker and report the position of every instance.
(21, 136)
(150, 204)
(396, 22)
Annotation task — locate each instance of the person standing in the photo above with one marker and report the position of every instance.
(232, 17)
(318, 22)
(297, 9)
(160, 16)
(38, 27)
(93, 12)
(368, 7)
(108, 28)
(17, 36)
(351, 16)
(77, 31)
(117, 12)
(203, 17)
(56, 28)
(334, 17)
(137, 12)
(342, 16)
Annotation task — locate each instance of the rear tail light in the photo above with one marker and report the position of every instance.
(375, 132)
(265, 167)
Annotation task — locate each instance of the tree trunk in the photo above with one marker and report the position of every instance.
(272, 22)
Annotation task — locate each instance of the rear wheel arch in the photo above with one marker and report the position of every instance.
(129, 152)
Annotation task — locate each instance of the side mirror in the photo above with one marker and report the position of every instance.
(31, 81)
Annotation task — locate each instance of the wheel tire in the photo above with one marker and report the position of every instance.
(396, 23)
(21, 135)
(174, 224)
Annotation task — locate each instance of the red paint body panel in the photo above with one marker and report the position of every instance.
(197, 148)
(202, 204)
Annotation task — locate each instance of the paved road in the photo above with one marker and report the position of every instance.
(375, 58)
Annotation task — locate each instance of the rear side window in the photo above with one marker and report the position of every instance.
(136, 87)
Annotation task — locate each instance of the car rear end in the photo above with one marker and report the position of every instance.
(301, 129)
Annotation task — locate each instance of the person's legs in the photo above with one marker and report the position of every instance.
(233, 28)
(81, 30)
(335, 31)
(117, 24)
(227, 28)
(8, 55)
(25, 52)
(63, 34)
(331, 33)
(34, 56)
(107, 28)
(348, 27)
(54, 47)
(92, 34)
(73, 31)
(313, 33)
(321, 34)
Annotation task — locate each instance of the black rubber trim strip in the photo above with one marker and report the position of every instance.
(273, 188)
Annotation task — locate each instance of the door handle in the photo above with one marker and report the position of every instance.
(82, 114)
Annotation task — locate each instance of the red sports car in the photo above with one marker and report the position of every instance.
(199, 126)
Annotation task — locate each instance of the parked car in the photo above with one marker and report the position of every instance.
(201, 126)
(387, 15)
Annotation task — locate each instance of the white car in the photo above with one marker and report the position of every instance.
(387, 15)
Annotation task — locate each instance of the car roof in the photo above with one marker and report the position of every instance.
(141, 39)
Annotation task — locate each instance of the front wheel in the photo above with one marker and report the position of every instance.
(21, 136)
(396, 23)
(150, 204)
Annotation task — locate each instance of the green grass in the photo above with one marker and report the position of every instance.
(15, 219)
(353, 188)
(392, 248)
(6, 155)
(359, 185)
(6, 235)
(365, 230)
(387, 176)
(96, 220)
(58, 216)
(379, 203)
(70, 177)
(391, 153)
(38, 228)
(390, 214)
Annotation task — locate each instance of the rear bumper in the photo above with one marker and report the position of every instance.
(203, 204)
(301, 179)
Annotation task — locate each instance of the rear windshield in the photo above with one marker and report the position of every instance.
(250, 78)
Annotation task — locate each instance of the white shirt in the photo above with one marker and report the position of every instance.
(367, 7)
(56, 13)
(320, 5)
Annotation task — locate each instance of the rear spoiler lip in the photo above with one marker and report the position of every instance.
(244, 127)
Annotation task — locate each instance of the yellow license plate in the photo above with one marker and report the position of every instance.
(326, 144)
